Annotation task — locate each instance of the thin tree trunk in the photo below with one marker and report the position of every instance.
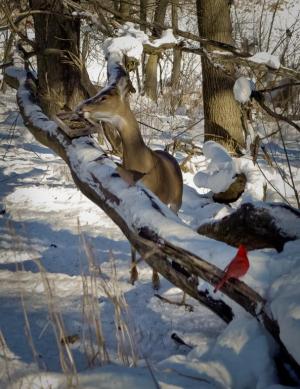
(150, 83)
(9, 40)
(177, 56)
(143, 13)
(124, 8)
(223, 121)
(143, 17)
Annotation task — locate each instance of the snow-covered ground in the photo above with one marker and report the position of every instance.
(40, 211)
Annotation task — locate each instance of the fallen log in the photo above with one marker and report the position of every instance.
(255, 225)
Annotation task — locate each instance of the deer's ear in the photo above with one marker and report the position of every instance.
(124, 87)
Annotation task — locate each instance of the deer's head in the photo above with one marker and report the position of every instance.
(110, 104)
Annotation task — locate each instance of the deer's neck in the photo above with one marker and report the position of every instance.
(136, 155)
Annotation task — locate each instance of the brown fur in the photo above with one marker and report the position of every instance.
(160, 171)
(162, 174)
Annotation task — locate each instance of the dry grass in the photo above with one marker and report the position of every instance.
(94, 285)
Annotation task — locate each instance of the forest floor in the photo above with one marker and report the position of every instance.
(43, 219)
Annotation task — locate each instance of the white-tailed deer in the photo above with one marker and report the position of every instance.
(160, 171)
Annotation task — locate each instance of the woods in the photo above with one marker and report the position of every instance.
(61, 106)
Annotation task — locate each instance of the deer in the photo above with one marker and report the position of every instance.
(158, 170)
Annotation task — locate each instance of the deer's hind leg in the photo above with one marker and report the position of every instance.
(134, 275)
(155, 280)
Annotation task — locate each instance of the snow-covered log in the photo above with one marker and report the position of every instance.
(154, 230)
(256, 225)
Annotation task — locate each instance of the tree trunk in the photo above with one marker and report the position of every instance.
(57, 38)
(150, 83)
(143, 13)
(177, 56)
(124, 8)
(222, 114)
(9, 40)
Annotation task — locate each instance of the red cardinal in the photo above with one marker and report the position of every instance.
(237, 268)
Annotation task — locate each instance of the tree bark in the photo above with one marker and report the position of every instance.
(177, 56)
(150, 82)
(9, 40)
(143, 13)
(124, 8)
(253, 226)
(222, 113)
(57, 38)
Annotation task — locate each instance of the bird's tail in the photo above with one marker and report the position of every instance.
(221, 283)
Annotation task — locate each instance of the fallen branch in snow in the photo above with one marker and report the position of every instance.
(146, 222)
(188, 307)
(253, 225)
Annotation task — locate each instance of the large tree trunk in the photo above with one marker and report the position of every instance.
(57, 38)
(222, 113)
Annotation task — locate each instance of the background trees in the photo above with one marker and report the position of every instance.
(193, 76)
(51, 31)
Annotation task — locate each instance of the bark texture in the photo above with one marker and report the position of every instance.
(222, 113)
(150, 82)
(57, 38)
(253, 226)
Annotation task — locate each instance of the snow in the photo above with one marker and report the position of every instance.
(166, 38)
(255, 185)
(39, 119)
(131, 40)
(242, 89)
(267, 59)
(129, 29)
(221, 168)
(128, 45)
(284, 302)
(223, 362)
(40, 213)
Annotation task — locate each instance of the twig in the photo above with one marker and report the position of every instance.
(188, 307)
(275, 114)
